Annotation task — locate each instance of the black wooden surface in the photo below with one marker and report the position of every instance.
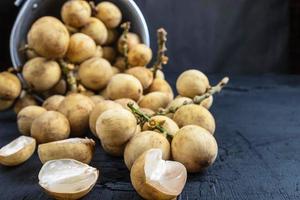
(258, 132)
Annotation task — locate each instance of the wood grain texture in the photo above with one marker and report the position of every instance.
(258, 136)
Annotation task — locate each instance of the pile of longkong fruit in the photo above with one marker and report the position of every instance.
(92, 72)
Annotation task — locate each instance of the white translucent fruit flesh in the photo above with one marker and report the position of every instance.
(169, 176)
(67, 178)
(17, 151)
(155, 178)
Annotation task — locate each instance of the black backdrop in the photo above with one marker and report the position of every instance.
(223, 36)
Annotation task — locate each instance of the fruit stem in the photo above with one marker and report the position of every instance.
(143, 118)
(211, 91)
(161, 59)
(68, 71)
(198, 99)
(124, 41)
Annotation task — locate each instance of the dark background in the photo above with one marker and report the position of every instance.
(228, 36)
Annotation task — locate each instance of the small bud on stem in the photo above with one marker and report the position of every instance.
(161, 59)
(142, 117)
(68, 71)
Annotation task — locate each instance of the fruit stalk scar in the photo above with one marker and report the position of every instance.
(198, 99)
(124, 41)
(143, 118)
(161, 59)
(67, 70)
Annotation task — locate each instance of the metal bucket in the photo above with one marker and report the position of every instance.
(34, 9)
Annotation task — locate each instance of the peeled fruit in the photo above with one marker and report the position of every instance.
(77, 109)
(67, 178)
(161, 85)
(98, 110)
(109, 53)
(74, 148)
(155, 101)
(195, 115)
(41, 74)
(155, 178)
(53, 102)
(168, 124)
(109, 14)
(95, 73)
(132, 40)
(195, 148)
(143, 74)
(207, 103)
(6, 104)
(24, 101)
(96, 30)
(139, 55)
(17, 151)
(142, 142)
(125, 101)
(192, 83)
(50, 126)
(10, 86)
(48, 37)
(81, 48)
(124, 86)
(26, 116)
(115, 127)
(112, 36)
(76, 13)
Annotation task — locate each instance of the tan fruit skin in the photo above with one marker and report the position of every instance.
(53, 102)
(143, 74)
(98, 110)
(59, 88)
(109, 53)
(26, 116)
(23, 102)
(112, 36)
(95, 73)
(109, 14)
(177, 103)
(10, 86)
(147, 111)
(81, 151)
(71, 196)
(97, 99)
(196, 115)
(208, 102)
(41, 74)
(142, 142)
(81, 48)
(76, 13)
(132, 40)
(116, 151)
(140, 184)
(195, 148)
(19, 157)
(192, 83)
(154, 101)
(50, 126)
(169, 125)
(115, 127)
(5, 104)
(96, 30)
(49, 37)
(120, 63)
(77, 109)
(161, 85)
(139, 55)
(124, 86)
